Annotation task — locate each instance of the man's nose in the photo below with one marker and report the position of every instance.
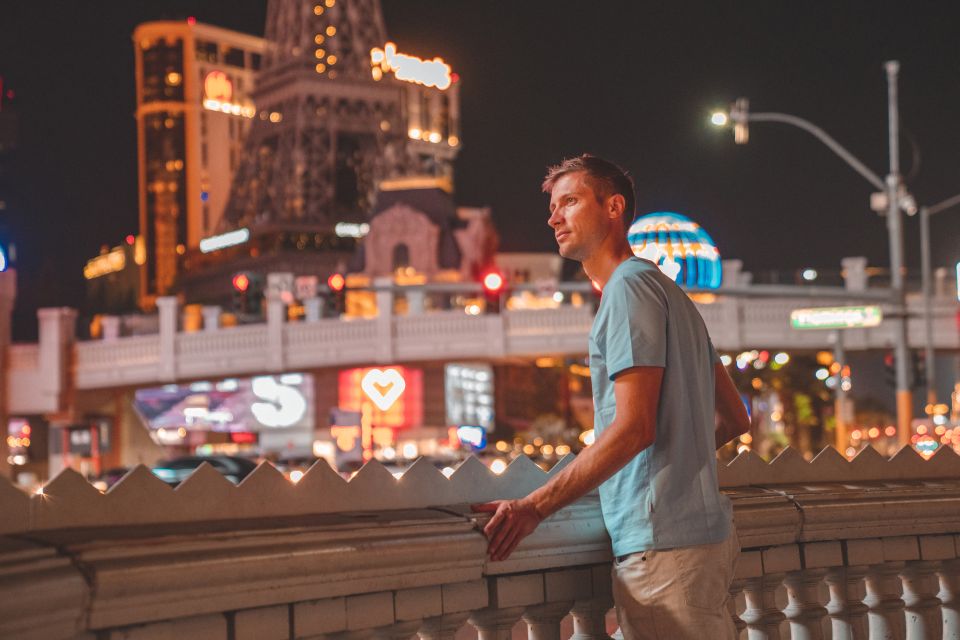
(554, 220)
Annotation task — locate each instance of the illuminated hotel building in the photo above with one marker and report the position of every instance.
(193, 110)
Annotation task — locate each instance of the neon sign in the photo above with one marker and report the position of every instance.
(383, 387)
(472, 436)
(836, 317)
(284, 405)
(218, 96)
(110, 262)
(429, 73)
(224, 240)
(217, 86)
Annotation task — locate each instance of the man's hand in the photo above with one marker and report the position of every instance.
(512, 521)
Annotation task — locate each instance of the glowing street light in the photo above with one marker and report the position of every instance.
(719, 119)
(892, 199)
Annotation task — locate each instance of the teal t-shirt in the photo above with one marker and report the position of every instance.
(667, 496)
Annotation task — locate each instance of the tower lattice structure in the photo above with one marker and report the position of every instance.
(326, 132)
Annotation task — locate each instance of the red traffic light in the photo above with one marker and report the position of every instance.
(241, 282)
(336, 282)
(493, 282)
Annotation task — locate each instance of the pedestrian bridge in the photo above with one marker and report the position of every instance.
(40, 374)
(831, 548)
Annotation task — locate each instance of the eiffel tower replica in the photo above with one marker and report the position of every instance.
(331, 126)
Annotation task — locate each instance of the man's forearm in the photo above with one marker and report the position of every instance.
(588, 470)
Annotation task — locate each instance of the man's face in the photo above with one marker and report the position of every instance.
(580, 220)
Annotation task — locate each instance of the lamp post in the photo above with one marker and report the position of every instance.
(925, 213)
(893, 197)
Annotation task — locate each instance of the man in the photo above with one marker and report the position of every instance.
(662, 404)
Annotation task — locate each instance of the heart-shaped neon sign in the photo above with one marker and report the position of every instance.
(383, 387)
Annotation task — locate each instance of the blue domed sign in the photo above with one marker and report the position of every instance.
(679, 246)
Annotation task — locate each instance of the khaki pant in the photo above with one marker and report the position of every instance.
(674, 594)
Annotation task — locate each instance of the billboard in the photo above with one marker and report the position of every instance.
(258, 404)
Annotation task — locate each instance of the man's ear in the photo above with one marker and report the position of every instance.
(615, 205)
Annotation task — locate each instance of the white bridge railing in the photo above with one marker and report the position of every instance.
(38, 374)
(860, 549)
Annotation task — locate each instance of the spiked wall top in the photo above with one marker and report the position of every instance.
(68, 501)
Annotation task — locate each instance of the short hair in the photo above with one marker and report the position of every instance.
(606, 179)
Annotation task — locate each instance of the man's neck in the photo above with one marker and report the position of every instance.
(600, 266)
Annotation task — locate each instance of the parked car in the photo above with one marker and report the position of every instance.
(176, 470)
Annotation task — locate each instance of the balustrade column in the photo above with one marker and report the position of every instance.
(949, 574)
(846, 607)
(313, 309)
(735, 588)
(590, 618)
(885, 608)
(495, 624)
(543, 620)
(762, 616)
(211, 317)
(167, 319)
(415, 299)
(921, 604)
(398, 631)
(443, 627)
(804, 609)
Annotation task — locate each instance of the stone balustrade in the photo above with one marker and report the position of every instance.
(860, 549)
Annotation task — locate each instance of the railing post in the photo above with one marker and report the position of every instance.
(211, 317)
(56, 337)
(312, 308)
(854, 273)
(495, 624)
(921, 604)
(885, 608)
(167, 311)
(443, 627)
(414, 301)
(543, 620)
(846, 607)
(736, 587)
(385, 318)
(804, 609)
(276, 312)
(398, 631)
(590, 618)
(949, 574)
(109, 328)
(762, 615)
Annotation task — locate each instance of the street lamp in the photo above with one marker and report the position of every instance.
(719, 118)
(893, 198)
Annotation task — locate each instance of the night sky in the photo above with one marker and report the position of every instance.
(632, 81)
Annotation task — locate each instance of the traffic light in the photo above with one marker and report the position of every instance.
(493, 287)
(889, 372)
(919, 370)
(241, 287)
(336, 299)
(247, 293)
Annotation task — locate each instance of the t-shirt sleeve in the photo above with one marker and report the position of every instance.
(714, 356)
(635, 325)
